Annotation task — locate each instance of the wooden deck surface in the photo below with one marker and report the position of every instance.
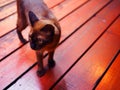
(87, 58)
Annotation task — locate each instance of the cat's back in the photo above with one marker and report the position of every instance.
(36, 6)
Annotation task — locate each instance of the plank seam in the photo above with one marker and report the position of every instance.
(7, 4)
(13, 52)
(106, 70)
(82, 54)
(57, 4)
(7, 16)
(8, 32)
(75, 9)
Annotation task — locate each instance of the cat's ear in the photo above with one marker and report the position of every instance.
(49, 29)
(33, 18)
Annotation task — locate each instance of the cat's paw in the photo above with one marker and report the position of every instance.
(41, 73)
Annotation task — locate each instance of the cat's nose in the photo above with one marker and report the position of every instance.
(33, 45)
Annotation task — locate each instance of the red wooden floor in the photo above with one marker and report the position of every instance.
(88, 57)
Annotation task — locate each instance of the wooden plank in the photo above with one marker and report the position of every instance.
(8, 24)
(115, 29)
(7, 11)
(111, 79)
(65, 59)
(90, 67)
(10, 9)
(68, 6)
(54, 3)
(14, 37)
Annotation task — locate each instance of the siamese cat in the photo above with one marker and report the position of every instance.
(44, 32)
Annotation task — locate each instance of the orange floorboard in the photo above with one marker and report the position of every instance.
(111, 79)
(90, 40)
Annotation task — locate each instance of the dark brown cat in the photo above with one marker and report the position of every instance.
(45, 30)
